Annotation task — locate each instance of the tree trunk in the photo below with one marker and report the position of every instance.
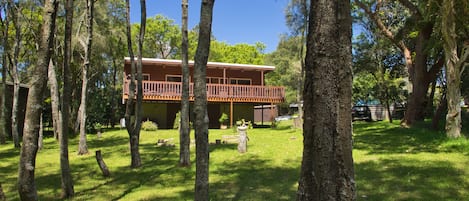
(2, 194)
(453, 79)
(82, 147)
(14, 72)
(439, 111)
(133, 113)
(327, 166)
(200, 102)
(37, 84)
(5, 28)
(184, 137)
(66, 176)
(102, 165)
(55, 100)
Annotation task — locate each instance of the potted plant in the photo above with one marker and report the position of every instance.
(223, 121)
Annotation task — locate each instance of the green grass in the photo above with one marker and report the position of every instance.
(391, 163)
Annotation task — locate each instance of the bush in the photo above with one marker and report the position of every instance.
(223, 118)
(149, 126)
(177, 120)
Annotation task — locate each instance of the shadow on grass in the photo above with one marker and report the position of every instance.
(408, 180)
(385, 138)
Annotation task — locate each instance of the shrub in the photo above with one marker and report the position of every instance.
(149, 126)
(223, 118)
(177, 120)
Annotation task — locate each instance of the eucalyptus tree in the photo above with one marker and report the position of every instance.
(409, 26)
(133, 112)
(184, 130)
(26, 185)
(454, 63)
(5, 23)
(327, 167)
(86, 44)
(297, 12)
(163, 38)
(200, 101)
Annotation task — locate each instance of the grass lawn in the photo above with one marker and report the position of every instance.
(391, 163)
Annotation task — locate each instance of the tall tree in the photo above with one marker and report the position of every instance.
(200, 101)
(133, 112)
(5, 23)
(412, 39)
(327, 167)
(14, 11)
(184, 130)
(87, 46)
(297, 20)
(26, 185)
(66, 177)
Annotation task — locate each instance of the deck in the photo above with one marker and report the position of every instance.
(171, 91)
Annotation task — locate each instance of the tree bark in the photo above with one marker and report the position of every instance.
(453, 79)
(55, 100)
(5, 22)
(2, 194)
(184, 137)
(87, 45)
(66, 176)
(133, 112)
(102, 165)
(37, 84)
(327, 167)
(200, 102)
(14, 10)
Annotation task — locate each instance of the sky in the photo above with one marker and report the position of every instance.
(234, 21)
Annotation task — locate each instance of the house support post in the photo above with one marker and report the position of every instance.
(231, 114)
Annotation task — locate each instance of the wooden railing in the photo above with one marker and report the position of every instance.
(160, 90)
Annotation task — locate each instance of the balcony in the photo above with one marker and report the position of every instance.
(171, 91)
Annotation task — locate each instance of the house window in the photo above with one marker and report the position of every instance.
(173, 78)
(214, 80)
(145, 76)
(240, 81)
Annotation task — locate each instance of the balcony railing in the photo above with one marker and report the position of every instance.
(161, 90)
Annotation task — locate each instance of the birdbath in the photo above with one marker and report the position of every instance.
(243, 138)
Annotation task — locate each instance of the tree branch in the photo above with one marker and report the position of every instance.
(413, 9)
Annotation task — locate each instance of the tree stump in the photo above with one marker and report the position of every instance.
(2, 195)
(243, 138)
(102, 165)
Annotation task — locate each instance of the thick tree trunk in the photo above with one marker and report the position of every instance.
(200, 102)
(453, 79)
(66, 176)
(327, 168)
(184, 137)
(37, 84)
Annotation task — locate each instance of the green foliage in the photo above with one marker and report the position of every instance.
(149, 126)
(239, 53)
(223, 118)
(177, 120)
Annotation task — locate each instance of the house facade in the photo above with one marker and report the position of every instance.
(234, 89)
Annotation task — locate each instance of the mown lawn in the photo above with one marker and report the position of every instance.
(391, 163)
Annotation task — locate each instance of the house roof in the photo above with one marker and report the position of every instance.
(177, 63)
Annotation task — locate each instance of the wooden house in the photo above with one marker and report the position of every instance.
(234, 89)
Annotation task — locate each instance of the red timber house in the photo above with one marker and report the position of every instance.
(234, 89)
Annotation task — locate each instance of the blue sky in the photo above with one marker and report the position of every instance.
(234, 21)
